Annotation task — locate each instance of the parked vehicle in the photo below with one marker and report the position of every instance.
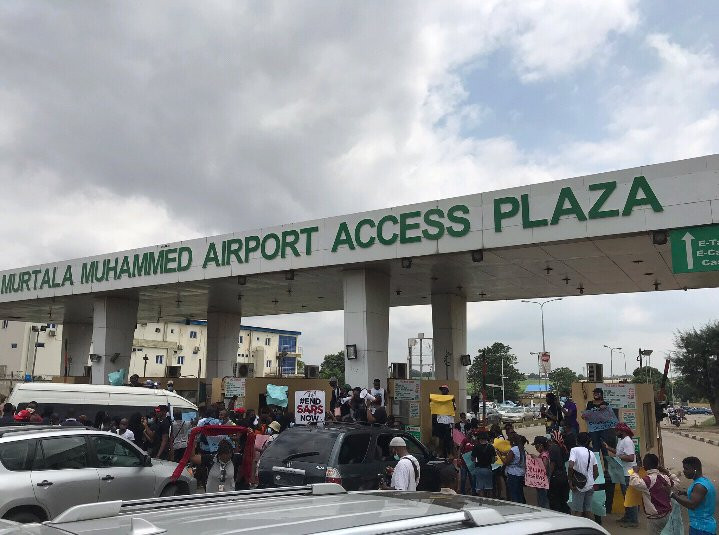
(515, 415)
(320, 509)
(45, 470)
(120, 401)
(353, 455)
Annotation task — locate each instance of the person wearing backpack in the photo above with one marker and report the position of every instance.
(405, 474)
(582, 472)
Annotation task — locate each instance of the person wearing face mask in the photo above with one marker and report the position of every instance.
(600, 420)
(220, 469)
(405, 475)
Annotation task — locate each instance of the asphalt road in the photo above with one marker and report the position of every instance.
(675, 449)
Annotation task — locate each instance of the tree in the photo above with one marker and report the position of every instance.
(495, 354)
(533, 375)
(648, 374)
(333, 365)
(698, 362)
(562, 379)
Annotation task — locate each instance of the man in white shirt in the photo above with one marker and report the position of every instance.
(405, 475)
(583, 462)
(625, 454)
(124, 432)
(378, 391)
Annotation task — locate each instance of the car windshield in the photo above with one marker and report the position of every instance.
(302, 446)
(515, 409)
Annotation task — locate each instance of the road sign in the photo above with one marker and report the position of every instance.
(695, 249)
(545, 366)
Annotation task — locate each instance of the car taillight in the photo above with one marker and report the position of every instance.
(333, 476)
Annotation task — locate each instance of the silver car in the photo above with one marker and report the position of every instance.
(46, 470)
(324, 508)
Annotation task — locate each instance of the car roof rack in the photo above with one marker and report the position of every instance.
(476, 517)
(91, 511)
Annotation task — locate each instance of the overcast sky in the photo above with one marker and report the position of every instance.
(124, 124)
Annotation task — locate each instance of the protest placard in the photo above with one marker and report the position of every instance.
(406, 390)
(309, 406)
(235, 386)
(535, 474)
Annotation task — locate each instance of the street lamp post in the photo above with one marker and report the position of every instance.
(611, 359)
(625, 364)
(36, 329)
(544, 345)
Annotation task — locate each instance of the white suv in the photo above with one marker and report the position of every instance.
(45, 470)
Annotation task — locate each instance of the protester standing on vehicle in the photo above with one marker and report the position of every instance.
(220, 470)
(376, 413)
(406, 474)
(624, 453)
(336, 395)
(515, 462)
(483, 455)
(700, 499)
(378, 391)
(656, 488)
(582, 473)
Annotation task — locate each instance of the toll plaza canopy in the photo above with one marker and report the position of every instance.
(641, 229)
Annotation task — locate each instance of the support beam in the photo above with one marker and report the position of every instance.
(223, 336)
(113, 329)
(76, 340)
(449, 333)
(366, 325)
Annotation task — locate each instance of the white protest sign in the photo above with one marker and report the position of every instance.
(620, 395)
(309, 406)
(235, 386)
(406, 390)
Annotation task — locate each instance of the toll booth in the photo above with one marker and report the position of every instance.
(634, 404)
(251, 391)
(408, 401)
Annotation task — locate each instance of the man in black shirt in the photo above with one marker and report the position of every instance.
(159, 433)
(558, 492)
(376, 413)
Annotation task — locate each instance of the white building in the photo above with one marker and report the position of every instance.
(158, 350)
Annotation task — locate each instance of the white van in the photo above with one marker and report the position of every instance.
(117, 401)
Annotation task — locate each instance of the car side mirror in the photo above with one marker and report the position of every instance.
(147, 460)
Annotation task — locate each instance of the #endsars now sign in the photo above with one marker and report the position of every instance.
(309, 407)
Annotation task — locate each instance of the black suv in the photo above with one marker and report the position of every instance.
(353, 455)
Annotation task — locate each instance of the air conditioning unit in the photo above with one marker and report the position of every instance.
(51, 332)
(179, 347)
(399, 370)
(243, 369)
(173, 371)
(595, 372)
(196, 350)
(312, 371)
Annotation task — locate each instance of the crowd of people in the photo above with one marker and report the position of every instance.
(492, 463)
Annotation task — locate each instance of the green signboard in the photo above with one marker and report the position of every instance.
(695, 249)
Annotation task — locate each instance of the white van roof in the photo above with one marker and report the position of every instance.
(151, 396)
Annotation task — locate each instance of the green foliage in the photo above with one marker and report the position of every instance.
(333, 365)
(495, 354)
(697, 359)
(561, 380)
(648, 374)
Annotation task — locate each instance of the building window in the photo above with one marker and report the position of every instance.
(172, 331)
(288, 343)
(4, 324)
(51, 326)
(159, 359)
(193, 334)
(240, 338)
(258, 338)
(157, 329)
(269, 363)
(267, 341)
(13, 346)
(180, 360)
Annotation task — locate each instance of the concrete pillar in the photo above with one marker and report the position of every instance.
(113, 329)
(76, 340)
(449, 333)
(366, 306)
(223, 337)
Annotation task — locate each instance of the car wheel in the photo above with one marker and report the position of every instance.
(170, 490)
(23, 517)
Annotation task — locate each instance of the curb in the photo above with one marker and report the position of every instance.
(695, 437)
